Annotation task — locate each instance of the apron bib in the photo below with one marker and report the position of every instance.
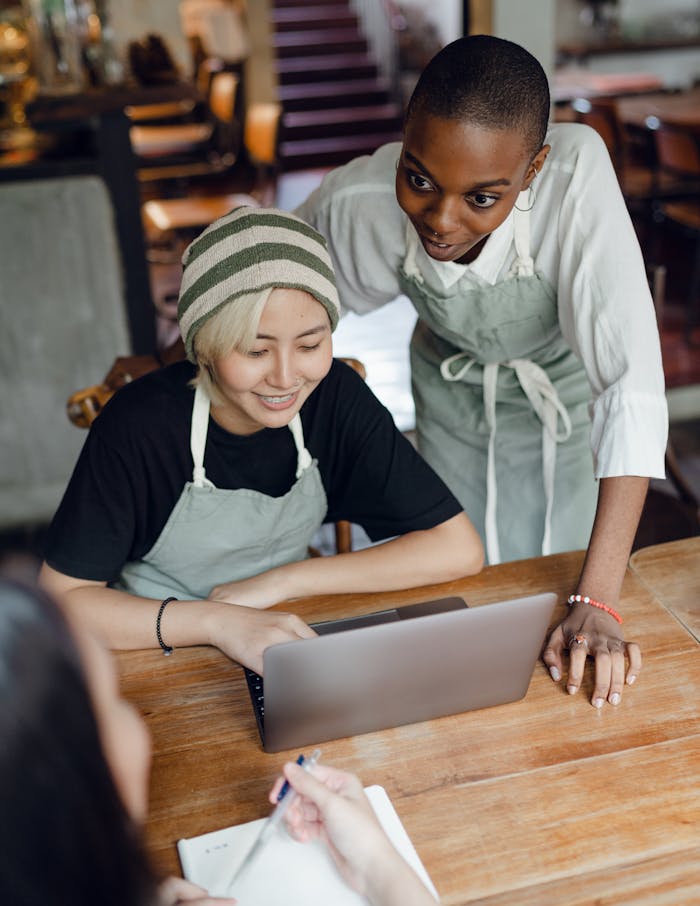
(502, 406)
(216, 535)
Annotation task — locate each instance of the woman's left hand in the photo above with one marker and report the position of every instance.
(589, 631)
(176, 890)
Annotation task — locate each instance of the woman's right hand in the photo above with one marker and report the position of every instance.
(243, 633)
(332, 805)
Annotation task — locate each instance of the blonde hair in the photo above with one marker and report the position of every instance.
(232, 328)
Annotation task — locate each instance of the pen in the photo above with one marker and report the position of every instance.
(286, 796)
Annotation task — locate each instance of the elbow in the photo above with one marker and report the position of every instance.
(466, 554)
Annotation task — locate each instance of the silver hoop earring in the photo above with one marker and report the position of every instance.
(531, 199)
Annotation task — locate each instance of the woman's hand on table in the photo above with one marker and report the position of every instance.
(599, 636)
(243, 633)
(176, 890)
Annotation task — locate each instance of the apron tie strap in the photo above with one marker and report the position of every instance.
(303, 456)
(198, 437)
(545, 401)
(549, 409)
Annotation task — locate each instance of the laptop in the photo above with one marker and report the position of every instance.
(397, 666)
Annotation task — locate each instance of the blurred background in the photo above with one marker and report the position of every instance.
(126, 127)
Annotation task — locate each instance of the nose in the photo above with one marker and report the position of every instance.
(443, 216)
(283, 374)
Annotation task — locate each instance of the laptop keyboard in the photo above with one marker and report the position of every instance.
(255, 687)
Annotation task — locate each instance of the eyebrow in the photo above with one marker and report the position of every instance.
(481, 185)
(320, 328)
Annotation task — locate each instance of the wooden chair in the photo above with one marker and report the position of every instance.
(189, 150)
(171, 221)
(675, 515)
(84, 406)
(678, 159)
(635, 172)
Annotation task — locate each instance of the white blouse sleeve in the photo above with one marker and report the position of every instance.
(355, 208)
(607, 315)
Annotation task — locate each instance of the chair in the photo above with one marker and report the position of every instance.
(667, 516)
(634, 171)
(63, 311)
(169, 221)
(678, 159)
(84, 406)
(189, 150)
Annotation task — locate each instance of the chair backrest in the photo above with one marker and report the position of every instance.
(62, 314)
(601, 114)
(224, 104)
(677, 149)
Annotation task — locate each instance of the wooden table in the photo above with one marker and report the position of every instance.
(682, 108)
(671, 572)
(542, 801)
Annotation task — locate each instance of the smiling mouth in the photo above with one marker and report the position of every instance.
(283, 401)
(436, 244)
(278, 399)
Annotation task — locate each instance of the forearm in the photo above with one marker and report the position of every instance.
(620, 503)
(396, 884)
(448, 551)
(127, 621)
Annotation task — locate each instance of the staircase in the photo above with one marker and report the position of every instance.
(335, 103)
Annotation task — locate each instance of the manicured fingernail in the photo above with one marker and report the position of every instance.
(615, 698)
(598, 703)
(631, 679)
(572, 690)
(554, 673)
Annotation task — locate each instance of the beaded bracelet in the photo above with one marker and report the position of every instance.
(166, 648)
(584, 599)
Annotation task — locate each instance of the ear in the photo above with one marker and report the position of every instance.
(536, 165)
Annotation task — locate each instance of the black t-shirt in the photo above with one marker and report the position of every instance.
(136, 461)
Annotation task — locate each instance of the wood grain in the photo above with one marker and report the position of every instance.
(546, 800)
(672, 573)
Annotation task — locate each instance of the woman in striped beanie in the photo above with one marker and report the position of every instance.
(202, 485)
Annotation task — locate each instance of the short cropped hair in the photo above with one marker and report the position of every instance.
(490, 82)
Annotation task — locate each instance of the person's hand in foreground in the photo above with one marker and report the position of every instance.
(332, 806)
(173, 891)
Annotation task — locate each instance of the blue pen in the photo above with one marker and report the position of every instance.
(285, 786)
(286, 796)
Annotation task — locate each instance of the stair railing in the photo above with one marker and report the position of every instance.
(380, 21)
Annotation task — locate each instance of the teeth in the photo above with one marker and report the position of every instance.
(278, 399)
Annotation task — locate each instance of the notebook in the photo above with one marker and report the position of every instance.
(286, 873)
(397, 666)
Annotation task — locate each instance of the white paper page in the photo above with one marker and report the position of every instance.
(285, 872)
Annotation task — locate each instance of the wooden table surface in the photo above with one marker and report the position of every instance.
(682, 108)
(671, 571)
(541, 801)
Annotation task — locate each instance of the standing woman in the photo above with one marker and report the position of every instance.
(201, 485)
(536, 341)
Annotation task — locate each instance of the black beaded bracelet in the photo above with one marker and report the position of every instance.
(166, 648)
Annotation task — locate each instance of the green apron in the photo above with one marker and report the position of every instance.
(216, 535)
(502, 405)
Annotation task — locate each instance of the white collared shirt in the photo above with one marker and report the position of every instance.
(583, 243)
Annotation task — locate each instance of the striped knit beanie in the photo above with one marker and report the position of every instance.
(251, 250)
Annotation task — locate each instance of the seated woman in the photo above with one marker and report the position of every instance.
(74, 766)
(191, 492)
